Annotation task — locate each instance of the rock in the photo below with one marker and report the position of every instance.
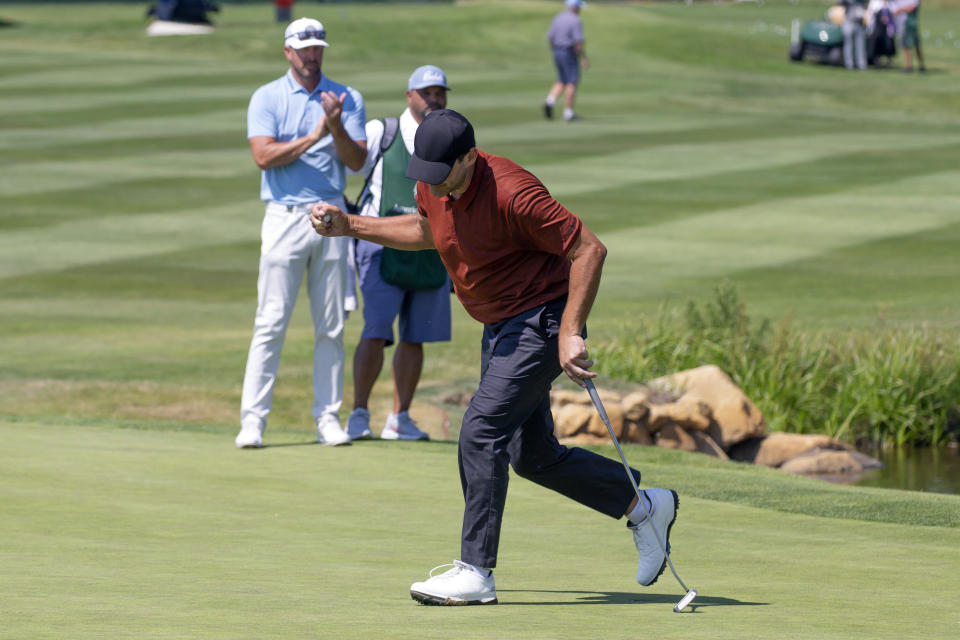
(635, 405)
(563, 397)
(705, 444)
(606, 396)
(570, 419)
(823, 462)
(687, 411)
(614, 414)
(636, 432)
(776, 448)
(735, 417)
(672, 436)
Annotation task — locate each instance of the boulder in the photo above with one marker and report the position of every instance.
(636, 405)
(687, 411)
(824, 462)
(571, 419)
(672, 436)
(735, 417)
(563, 397)
(614, 414)
(705, 444)
(636, 432)
(774, 449)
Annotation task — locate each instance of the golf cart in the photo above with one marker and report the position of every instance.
(819, 40)
(822, 40)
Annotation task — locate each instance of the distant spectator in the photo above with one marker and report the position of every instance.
(910, 38)
(566, 41)
(854, 35)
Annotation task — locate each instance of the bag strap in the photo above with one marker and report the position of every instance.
(391, 126)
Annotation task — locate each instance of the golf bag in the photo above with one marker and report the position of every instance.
(189, 11)
(881, 37)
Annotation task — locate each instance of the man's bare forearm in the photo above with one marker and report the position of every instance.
(271, 154)
(351, 152)
(585, 270)
(399, 232)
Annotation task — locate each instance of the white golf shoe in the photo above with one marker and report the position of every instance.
(358, 425)
(250, 437)
(460, 585)
(400, 426)
(663, 512)
(329, 431)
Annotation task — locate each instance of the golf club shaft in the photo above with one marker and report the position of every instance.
(592, 390)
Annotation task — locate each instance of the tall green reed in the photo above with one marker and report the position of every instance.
(888, 387)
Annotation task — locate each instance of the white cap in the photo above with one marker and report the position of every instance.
(427, 76)
(305, 32)
(576, 3)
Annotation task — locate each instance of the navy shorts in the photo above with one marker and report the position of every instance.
(568, 66)
(424, 315)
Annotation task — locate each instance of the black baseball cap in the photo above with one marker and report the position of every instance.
(442, 137)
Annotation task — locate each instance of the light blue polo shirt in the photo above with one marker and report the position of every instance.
(284, 111)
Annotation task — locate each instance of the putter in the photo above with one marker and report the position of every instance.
(691, 593)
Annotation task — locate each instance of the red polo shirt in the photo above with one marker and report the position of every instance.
(504, 241)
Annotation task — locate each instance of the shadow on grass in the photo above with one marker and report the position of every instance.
(620, 597)
(361, 442)
(291, 444)
(419, 443)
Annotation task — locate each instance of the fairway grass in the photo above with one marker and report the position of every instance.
(125, 533)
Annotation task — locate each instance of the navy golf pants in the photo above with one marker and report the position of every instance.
(509, 423)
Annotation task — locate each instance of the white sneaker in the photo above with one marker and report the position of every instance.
(358, 425)
(460, 585)
(250, 437)
(399, 426)
(329, 431)
(652, 561)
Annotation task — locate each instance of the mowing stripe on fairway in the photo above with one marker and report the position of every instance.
(792, 229)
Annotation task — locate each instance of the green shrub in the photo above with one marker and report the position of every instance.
(889, 387)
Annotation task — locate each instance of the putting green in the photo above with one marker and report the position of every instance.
(113, 532)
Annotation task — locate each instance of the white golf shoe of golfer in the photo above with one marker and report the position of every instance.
(461, 585)
(400, 426)
(663, 511)
(329, 431)
(358, 425)
(250, 437)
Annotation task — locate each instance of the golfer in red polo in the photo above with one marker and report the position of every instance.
(529, 270)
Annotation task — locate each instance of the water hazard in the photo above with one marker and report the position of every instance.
(936, 470)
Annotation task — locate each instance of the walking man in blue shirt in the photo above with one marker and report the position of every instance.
(302, 128)
(566, 41)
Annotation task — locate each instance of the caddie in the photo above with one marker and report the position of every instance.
(411, 286)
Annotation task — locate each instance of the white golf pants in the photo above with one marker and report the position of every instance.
(290, 247)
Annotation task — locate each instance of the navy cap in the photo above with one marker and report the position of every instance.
(442, 137)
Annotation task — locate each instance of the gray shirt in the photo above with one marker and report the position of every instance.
(566, 30)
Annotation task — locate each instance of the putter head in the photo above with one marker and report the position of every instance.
(685, 600)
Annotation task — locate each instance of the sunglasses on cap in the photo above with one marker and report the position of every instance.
(310, 34)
